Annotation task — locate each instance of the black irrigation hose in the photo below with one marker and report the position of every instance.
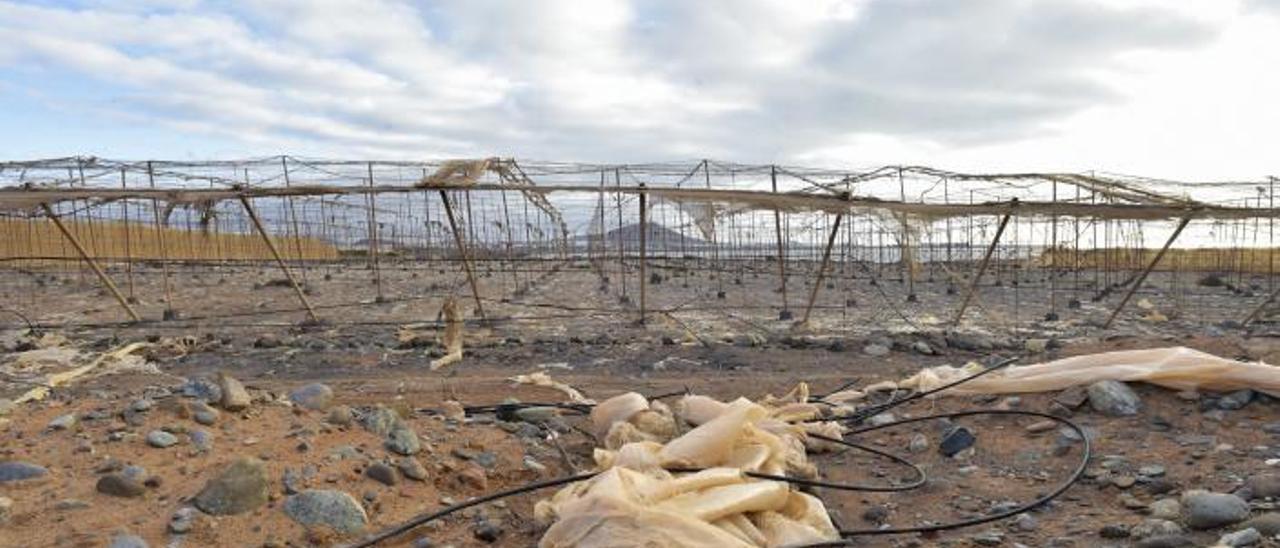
(846, 534)
(423, 519)
(1041, 501)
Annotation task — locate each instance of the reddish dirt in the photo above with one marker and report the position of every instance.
(1008, 465)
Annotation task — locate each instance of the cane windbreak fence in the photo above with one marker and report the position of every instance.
(700, 246)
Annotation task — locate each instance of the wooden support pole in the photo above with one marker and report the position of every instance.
(782, 252)
(982, 268)
(822, 269)
(1146, 271)
(462, 252)
(271, 246)
(102, 276)
(644, 226)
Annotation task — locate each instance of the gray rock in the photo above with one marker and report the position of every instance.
(141, 406)
(921, 347)
(1244, 537)
(119, 485)
(537, 415)
(203, 389)
(918, 444)
(335, 509)
(1156, 528)
(1169, 509)
(413, 469)
(1236, 400)
(241, 487)
(403, 441)
(956, 440)
(382, 473)
(380, 420)
(487, 531)
(340, 415)
(1262, 486)
(161, 439)
(315, 396)
(234, 396)
(1268, 524)
(6, 406)
(183, 520)
(204, 414)
(970, 340)
(1165, 541)
(202, 440)
(127, 541)
(21, 471)
(134, 472)
(1151, 471)
(1025, 522)
(1203, 510)
(1113, 398)
(881, 419)
(876, 350)
(63, 422)
(994, 537)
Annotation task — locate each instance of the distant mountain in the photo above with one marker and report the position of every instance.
(657, 237)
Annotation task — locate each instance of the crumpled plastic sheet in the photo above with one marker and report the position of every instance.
(1177, 368)
(452, 336)
(123, 358)
(637, 500)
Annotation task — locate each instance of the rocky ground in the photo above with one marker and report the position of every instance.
(318, 436)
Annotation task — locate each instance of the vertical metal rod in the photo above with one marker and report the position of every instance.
(1143, 277)
(271, 246)
(102, 276)
(822, 269)
(982, 268)
(908, 269)
(297, 235)
(128, 240)
(161, 234)
(462, 252)
(1053, 256)
(373, 238)
(622, 246)
(644, 226)
(782, 252)
(715, 237)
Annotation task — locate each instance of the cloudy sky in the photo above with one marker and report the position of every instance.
(1172, 89)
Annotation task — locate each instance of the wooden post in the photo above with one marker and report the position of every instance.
(1143, 277)
(643, 245)
(271, 246)
(462, 252)
(982, 268)
(822, 269)
(102, 276)
(782, 252)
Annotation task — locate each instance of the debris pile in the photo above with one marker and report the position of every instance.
(656, 488)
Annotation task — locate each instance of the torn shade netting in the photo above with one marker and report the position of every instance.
(1177, 368)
